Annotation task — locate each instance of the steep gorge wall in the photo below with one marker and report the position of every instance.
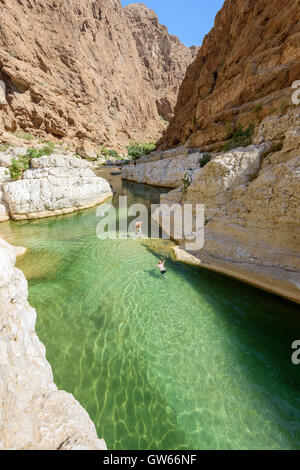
(73, 70)
(243, 72)
(163, 57)
(251, 199)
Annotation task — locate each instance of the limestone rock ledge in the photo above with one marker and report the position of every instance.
(56, 185)
(251, 198)
(252, 229)
(167, 172)
(34, 414)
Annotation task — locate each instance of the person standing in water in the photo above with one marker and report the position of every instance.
(138, 228)
(162, 268)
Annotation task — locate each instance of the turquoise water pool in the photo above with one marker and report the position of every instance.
(195, 361)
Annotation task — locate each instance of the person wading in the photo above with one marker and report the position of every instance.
(138, 228)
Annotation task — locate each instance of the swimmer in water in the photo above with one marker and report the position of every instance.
(162, 268)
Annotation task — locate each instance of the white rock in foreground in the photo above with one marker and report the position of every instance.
(4, 210)
(57, 184)
(34, 414)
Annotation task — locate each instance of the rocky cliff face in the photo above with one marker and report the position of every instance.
(79, 71)
(243, 72)
(163, 57)
(251, 198)
(34, 414)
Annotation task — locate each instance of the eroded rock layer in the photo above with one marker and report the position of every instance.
(252, 204)
(242, 73)
(164, 58)
(77, 70)
(34, 413)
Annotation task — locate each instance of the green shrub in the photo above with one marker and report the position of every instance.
(104, 151)
(114, 154)
(257, 109)
(109, 153)
(136, 149)
(274, 148)
(4, 147)
(205, 159)
(24, 135)
(37, 153)
(186, 182)
(17, 167)
(240, 138)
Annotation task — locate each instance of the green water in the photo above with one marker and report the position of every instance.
(196, 361)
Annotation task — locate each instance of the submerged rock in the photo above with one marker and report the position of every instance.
(34, 413)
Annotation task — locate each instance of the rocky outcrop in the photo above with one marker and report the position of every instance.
(242, 78)
(167, 172)
(215, 184)
(34, 413)
(55, 185)
(73, 70)
(252, 218)
(251, 198)
(242, 73)
(163, 57)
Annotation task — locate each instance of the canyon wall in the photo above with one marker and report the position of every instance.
(79, 71)
(243, 72)
(34, 415)
(251, 199)
(163, 57)
(236, 103)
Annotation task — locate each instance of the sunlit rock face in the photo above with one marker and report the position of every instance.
(167, 172)
(243, 72)
(57, 184)
(74, 70)
(34, 413)
(251, 199)
(163, 57)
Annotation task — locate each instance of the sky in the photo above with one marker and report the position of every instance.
(190, 20)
